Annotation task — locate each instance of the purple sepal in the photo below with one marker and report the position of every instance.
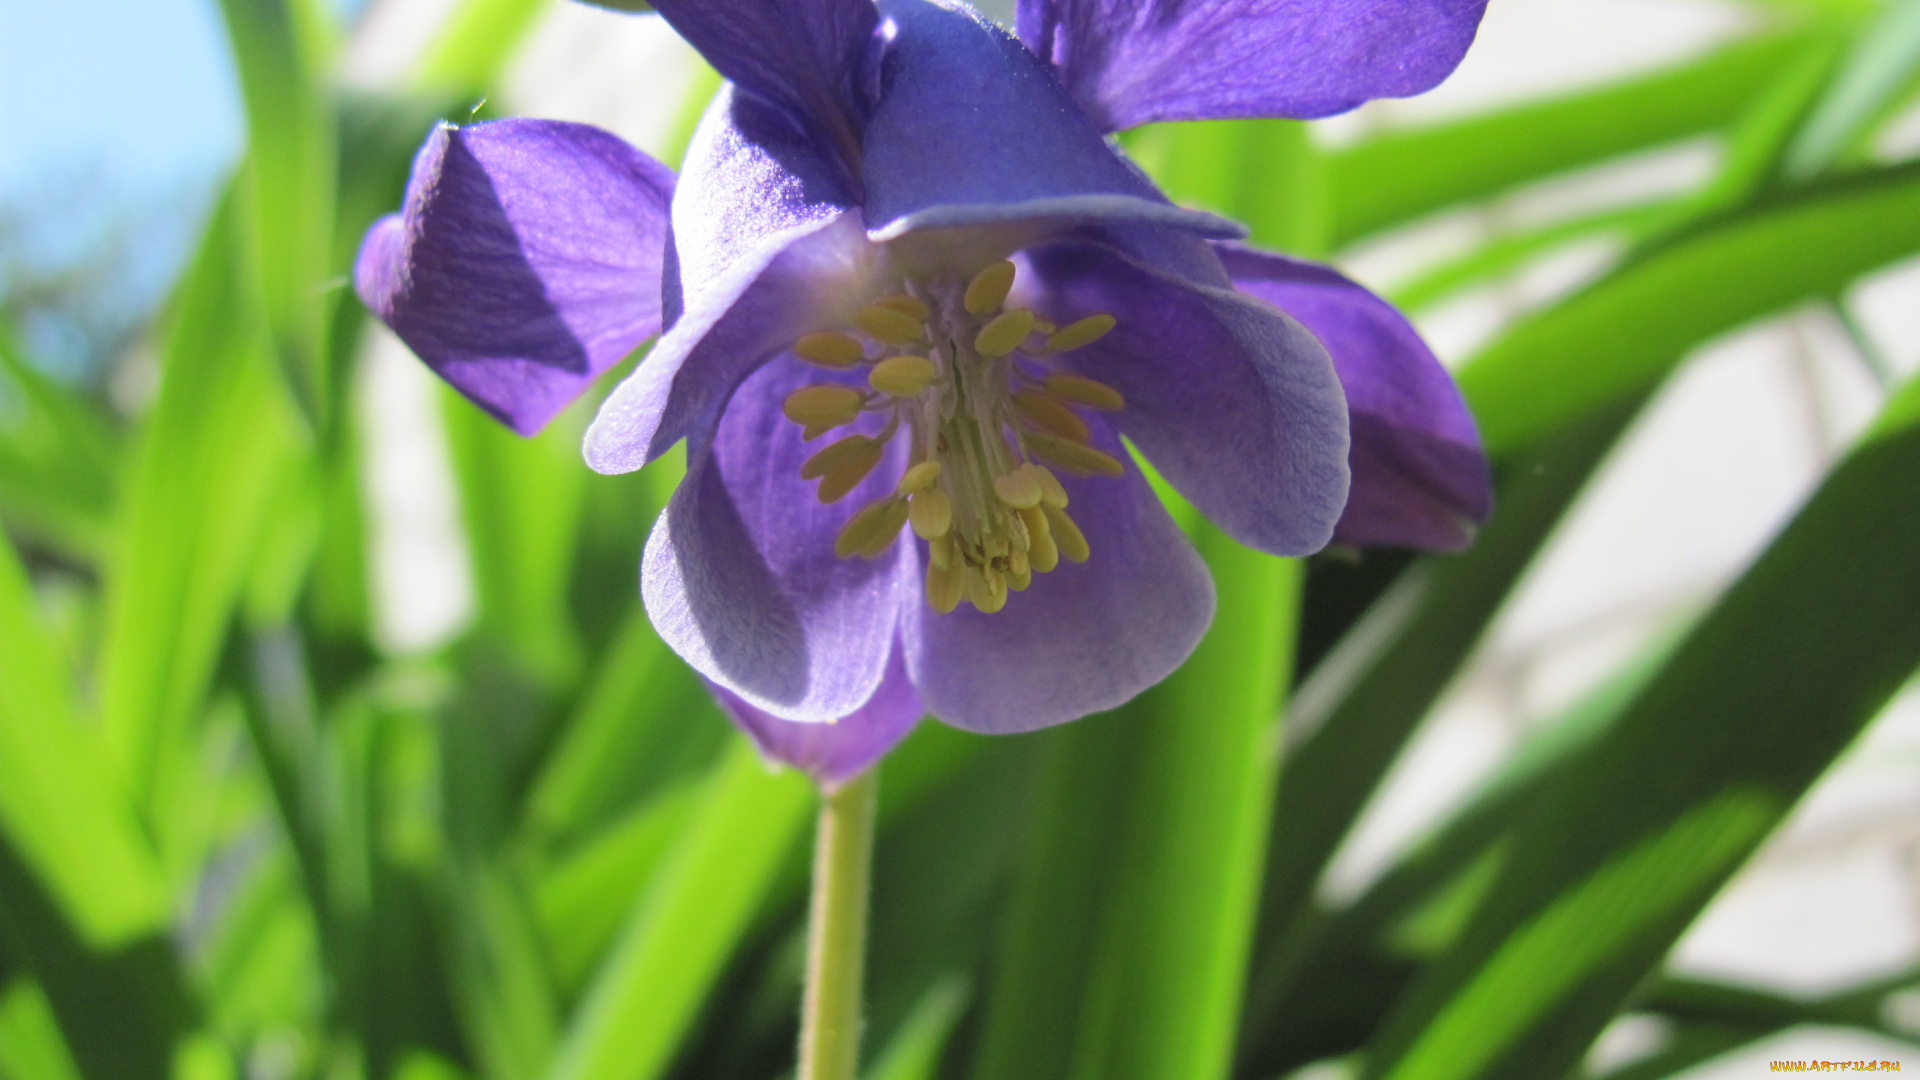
(769, 245)
(1236, 404)
(972, 130)
(525, 261)
(834, 751)
(1082, 638)
(1131, 62)
(1420, 478)
(740, 577)
(807, 57)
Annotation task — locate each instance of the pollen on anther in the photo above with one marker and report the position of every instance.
(1072, 456)
(919, 478)
(1005, 333)
(902, 376)
(1048, 414)
(868, 532)
(931, 513)
(888, 325)
(829, 406)
(1077, 334)
(989, 288)
(1017, 489)
(829, 349)
(906, 305)
(839, 454)
(1085, 391)
(1067, 535)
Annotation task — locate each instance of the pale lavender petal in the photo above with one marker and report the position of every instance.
(973, 130)
(767, 245)
(1236, 404)
(809, 57)
(526, 261)
(740, 577)
(1084, 637)
(838, 750)
(1131, 62)
(1420, 478)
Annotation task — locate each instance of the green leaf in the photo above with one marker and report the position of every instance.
(31, 1046)
(60, 802)
(687, 923)
(200, 491)
(1470, 159)
(288, 179)
(1618, 857)
(1878, 70)
(914, 1052)
(59, 458)
(1364, 700)
(1624, 332)
(475, 44)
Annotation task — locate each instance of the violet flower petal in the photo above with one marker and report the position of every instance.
(1084, 637)
(972, 130)
(769, 245)
(838, 750)
(1420, 478)
(740, 577)
(1131, 62)
(806, 56)
(1236, 404)
(525, 262)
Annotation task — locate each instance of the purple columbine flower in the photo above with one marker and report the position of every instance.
(912, 301)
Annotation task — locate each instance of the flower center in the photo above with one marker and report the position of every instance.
(972, 385)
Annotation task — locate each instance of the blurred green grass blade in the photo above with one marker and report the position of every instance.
(475, 43)
(582, 900)
(59, 458)
(1265, 174)
(502, 982)
(60, 801)
(288, 178)
(1505, 254)
(1617, 859)
(522, 500)
(1364, 700)
(914, 1052)
(1624, 332)
(687, 923)
(1170, 962)
(643, 721)
(1471, 159)
(200, 489)
(120, 1011)
(31, 1046)
(1878, 70)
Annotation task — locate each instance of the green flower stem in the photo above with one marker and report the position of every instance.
(837, 931)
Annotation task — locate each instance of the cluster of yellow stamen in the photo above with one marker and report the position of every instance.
(988, 419)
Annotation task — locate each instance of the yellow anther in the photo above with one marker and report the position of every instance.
(989, 288)
(902, 376)
(1017, 489)
(940, 553)
(841, 453)
(906, 305)
(919, 478)
(1085, 391)
(823, 406)
(1005, 333)
(1066, 535)
(945, 586)
(846, 476)
(1043, 327)
(1019, 579)
(813, 431)
(931, 513)
(868, 532)
(987, 589)
(1048, 414)
(885, 324)
(1076, 334)
(830, 349)
(1051, 492)
(1043, 554)
(1076, 459)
